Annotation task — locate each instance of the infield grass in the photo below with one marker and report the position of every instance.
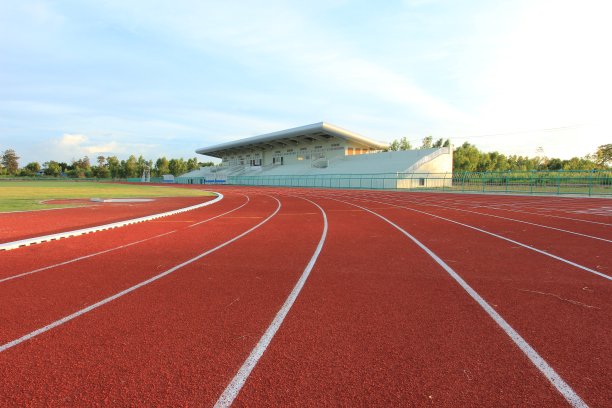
(28, 195)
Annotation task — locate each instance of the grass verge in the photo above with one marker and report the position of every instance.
(27, 196)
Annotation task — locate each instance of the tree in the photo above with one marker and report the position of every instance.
(177, 166)
(161, 166)
(52, 168)
(555, 164)
(404, 144)
(33, 167)
(101, 161)
(101, 172)
(394, 145)
(401, 144)
(466, 158)
(427, 142)
(114, 166)
(192, 164)
(603, 155)
(441, 143)
(130, 166)
(10, 161)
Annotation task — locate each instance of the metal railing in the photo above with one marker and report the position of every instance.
(578, 182)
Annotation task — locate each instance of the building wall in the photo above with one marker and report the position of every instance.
(435, 173)
(304, 151)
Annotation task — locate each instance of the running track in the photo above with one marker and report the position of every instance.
(305, 297)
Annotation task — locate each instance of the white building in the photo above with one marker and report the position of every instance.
(320, 154)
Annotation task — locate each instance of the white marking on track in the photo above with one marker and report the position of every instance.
(506, 218)
(102, 302)
(116, 248)
(7, 246)
(233, 389)
(555, 379)
(567, 261)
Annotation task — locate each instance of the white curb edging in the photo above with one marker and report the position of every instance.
(51, 237)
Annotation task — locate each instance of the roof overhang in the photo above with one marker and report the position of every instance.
(310, 133)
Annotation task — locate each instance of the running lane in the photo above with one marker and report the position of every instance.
(585, 250)
(602, 229)
(178, 340)
(564, 312)
(25, 259)
(379, 323)
(51, 294)
(21, 225)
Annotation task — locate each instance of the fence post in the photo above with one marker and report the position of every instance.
(506, 182)
(591, 181)
(483, 181)
(530, 183)
(558, 182)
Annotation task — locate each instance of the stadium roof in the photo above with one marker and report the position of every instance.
(290, 137)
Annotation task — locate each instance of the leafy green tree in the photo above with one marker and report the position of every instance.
(177, 166)
(101, 172)
(52, 168)
(114, 166)
(401, 144)
(404, 144)
(466, 158)
(555, 164)
(10, 161)
(33, 167)
(394, 146)
(603, 155)
(130, 166)
(192, 164)
(161, 166)
(427, 141)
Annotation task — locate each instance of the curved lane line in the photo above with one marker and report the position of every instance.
(548, 215)
(503, 218)
(555, 379)
(116, 248)
(7, 246)
(233, 389)
(567, 261)
(102, 302)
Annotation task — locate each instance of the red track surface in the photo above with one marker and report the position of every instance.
(20, 225)
(378, 322)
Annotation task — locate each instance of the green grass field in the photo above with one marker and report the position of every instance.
(27, 196)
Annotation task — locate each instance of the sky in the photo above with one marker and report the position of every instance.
(163, 78)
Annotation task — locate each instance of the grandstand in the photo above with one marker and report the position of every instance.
(319, 152)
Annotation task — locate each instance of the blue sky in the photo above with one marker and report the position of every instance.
(164, 78)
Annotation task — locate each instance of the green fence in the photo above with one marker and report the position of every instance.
(594, 182)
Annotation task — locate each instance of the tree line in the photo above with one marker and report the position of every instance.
(468, 158)
(104, 167)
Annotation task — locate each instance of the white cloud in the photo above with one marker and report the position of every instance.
(289, 38)
(71, 140)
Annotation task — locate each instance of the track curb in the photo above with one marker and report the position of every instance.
(7, 246)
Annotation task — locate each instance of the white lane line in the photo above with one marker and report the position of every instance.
(225, 213)
(7, 246)
(503, 218)
(567, 261)
(548, 215)
(233, 389)
(115, 248)
(495, 206)
(96, 305)
(555, 379)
